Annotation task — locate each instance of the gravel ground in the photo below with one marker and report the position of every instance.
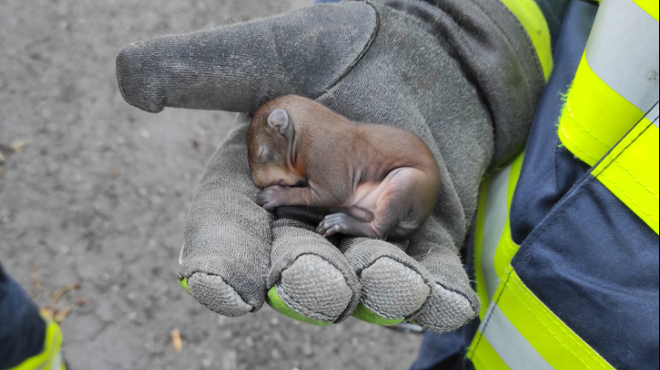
(95, 192)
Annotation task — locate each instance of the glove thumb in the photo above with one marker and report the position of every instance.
(241, 66)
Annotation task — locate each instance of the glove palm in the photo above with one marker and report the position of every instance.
(368, 62)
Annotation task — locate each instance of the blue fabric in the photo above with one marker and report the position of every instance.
(549, 170)
(22, 330)
(446, 351)
(594, 263)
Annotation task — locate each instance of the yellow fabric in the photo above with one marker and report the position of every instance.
(630, 172)
(550, 337)
(530, 16)
(483, 356)
(52, 344)
(649, 6)
(592, 106)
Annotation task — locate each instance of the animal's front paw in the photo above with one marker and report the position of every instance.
(271, 197)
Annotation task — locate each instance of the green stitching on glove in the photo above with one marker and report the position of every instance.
(365, 314)
(184, 284)
(273, 299)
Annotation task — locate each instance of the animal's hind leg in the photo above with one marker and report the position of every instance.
(407, 199)
(342, 223)
(399, 233)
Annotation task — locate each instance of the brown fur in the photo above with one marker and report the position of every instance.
(391, 171)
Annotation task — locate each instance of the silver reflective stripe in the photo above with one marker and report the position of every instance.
(623, 51)
(57, 362)
(494, 222)
(653, 115)
(510, 345)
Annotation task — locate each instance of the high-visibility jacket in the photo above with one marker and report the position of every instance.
(566, 237)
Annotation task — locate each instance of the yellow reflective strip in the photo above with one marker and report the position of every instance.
(595, 117)
(530, 16)
(616, 80)
(623, 51)
(506, 248)
(478, 248)
(550, 337)
(503, 338)
(510, 345)
(484, 356)
(630, 171)
(45, 359)
(649, 6)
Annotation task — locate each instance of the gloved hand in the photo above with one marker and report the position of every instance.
(463, 76)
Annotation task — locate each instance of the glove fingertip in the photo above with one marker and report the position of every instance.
(135, 82)
(277, 303)
(213, 292)
(184, 284)
(363, 313)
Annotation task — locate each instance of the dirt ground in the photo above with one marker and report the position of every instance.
(95, 192)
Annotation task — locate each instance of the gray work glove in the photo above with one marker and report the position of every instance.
(461, 75)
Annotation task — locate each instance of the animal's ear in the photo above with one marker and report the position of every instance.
(279, 120)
